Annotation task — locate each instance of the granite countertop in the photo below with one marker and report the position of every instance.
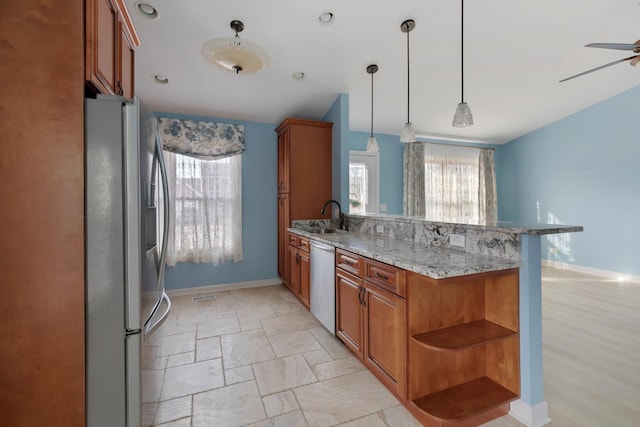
(502, 226)
(432, 261)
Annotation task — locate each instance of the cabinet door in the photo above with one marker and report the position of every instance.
(305, 278)
(124, 84)
(283, 161)
(294, 270)
(349, 322)
(283, 240)
(102, 27)
(384, 337)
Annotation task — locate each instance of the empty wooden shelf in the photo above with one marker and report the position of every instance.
(463, 336)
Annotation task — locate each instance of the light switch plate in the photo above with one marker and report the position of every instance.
(379, 229)
(456, 240)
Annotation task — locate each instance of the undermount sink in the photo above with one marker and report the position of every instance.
(322, 230)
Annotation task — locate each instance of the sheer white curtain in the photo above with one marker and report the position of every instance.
(206, 209)
(459, 184)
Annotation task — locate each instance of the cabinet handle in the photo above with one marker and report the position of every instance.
(380, 276)
(360, 295)
(349, 263)
(364, 302)
(120, 90)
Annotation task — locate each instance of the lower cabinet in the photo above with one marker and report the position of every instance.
(384, 337)
(371, 322)
(349, 311)
(298, 269)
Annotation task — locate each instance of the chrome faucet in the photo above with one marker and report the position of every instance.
(340, 214)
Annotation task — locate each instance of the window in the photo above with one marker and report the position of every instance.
(363, 182)
(459, 184)
(206, 209)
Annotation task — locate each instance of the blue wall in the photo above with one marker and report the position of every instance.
(259, 215)
(582, 170)
(338, 114)
(390, 167)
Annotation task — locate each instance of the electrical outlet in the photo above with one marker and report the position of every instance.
(456, 240)
(379, 229)
(383, 207)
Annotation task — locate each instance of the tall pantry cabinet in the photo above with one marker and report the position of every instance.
(304, 178)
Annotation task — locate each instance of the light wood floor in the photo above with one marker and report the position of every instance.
(591, 350)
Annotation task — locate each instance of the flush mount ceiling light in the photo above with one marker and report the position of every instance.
(146, 10)
(408, 133)
(372, 143)
(235, 55)
(298, 75)
(462, 118)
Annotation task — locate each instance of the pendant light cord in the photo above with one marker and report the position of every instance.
(408, 81)
(371, 104)
(462, 49)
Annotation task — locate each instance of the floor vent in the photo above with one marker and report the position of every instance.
(204, 298)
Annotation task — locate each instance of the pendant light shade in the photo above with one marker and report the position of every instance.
(463, 117)
(408, 134)
(372, 143)
(235, 55)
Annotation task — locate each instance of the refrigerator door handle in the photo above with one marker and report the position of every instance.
(148, 330)
(166, 210)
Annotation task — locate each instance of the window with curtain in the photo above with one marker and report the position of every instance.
(204, 168)
(459, 184)
(206, 209)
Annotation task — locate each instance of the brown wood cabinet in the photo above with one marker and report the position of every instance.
(110, 40)
(349, 311)
(371, 319)
(304, 177)
(298, 270)
(463, 360)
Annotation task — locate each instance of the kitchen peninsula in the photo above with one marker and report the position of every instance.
(448, 316)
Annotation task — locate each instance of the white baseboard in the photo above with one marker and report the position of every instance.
(223, 287)
(531, 416)
(619, 277)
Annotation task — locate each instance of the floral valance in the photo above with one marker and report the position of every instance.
(201, 139)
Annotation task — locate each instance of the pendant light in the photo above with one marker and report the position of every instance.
(408, 133)
(235, 55)
(372, 143)
(462, 117)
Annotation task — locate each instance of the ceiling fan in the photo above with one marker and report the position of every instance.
(633, 60)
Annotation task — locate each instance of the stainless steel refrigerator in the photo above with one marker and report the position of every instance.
(125, 251)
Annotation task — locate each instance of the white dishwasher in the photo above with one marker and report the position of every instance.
(323, 289)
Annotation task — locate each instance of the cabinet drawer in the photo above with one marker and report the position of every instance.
(385, 276)
(304, 244)
(293, 240)
(349, 262)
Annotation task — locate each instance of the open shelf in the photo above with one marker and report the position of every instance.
(465, 400)
(463, 336)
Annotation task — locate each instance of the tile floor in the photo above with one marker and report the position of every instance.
(257, 357)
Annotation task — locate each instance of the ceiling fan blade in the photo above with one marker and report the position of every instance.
(617, 46)
(599, 68)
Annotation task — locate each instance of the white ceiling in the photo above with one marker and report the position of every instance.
(515, 53)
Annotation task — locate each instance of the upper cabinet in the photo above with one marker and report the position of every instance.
(110, 40)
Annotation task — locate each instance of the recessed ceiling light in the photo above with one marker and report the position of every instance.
(326, 18)
(298, 75)
(160, 79)
(146, 10)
